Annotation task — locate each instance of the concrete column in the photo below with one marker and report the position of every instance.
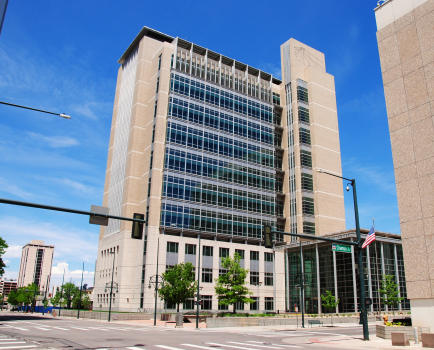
(368, 259)
(353, 267)
(335, 277)
(318, 280)
(395, 254)
(383, 270)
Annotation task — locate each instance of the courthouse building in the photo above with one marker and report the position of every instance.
(406, 44)
(203, 144)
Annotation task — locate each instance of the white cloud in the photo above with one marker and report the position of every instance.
(6, 261)
(54, 141)
(61, 272)
(13, 189)
(13, 251)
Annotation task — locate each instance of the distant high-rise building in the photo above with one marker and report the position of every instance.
(406, 44)
(36, 263)
(203, 144)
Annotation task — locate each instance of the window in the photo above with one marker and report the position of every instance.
(302, 94)
(188, 305)
(254, 255)
(255, 305)
(206, 302)
(306, 182)
(141, 300)
(207, 251)
(306, 159)
(223, 271)
(152, 159)
(268, 278)
(304, 135)
(254, 278)
(158, 85)
(276, 98)
(159, 62)
(240, 252)
(268, 257)
(143, 274)
(207, 275)
(153, 133)
(223, 252)
(172, 247)
(223, 307)
(303, 115)
(309, 227)
(308, 206)
(269, 304)
(149, 186)
(155, 109)
(239, 305)
(190, 249)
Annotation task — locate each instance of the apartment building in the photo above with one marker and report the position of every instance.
(203, 144)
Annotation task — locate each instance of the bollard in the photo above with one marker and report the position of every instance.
(416, 337)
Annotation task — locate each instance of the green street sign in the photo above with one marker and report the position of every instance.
(341, 248)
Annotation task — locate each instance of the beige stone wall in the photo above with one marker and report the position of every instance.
(308, 64)
(406, 48)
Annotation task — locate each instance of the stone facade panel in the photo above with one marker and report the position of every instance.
(409, 201)
(396, 102)
(402, 153)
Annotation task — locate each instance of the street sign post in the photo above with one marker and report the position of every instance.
(341, 248)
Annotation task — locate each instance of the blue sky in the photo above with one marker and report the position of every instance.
(62, 56)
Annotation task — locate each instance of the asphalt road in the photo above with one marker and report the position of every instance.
(25, 331)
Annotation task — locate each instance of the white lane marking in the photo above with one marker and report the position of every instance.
(13, 342)
(290, 346)
(100, 329)
(167, 347)
(7, 339)
(42, 329)
(22, 329)
(261, 346)
(63, 329)
(134, 348)
(18, 347)
(82, 329)
(101, 349)
(232, 346)
(199, 346)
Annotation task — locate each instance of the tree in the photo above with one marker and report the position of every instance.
(389, 290)
(85, 301)
(231, 286)
(58, 300)
(179, 284)
(329, 302)
(23, 295)
(3, 246)
(69, 292)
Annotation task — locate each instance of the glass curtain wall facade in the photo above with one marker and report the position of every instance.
(219, 171)
(385, 258)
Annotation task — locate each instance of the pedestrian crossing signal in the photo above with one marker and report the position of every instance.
(137, 231)
(267, 237)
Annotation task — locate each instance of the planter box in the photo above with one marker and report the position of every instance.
(384, 331)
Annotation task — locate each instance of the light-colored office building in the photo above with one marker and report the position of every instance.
(203, 144)
(406, 44)
(35, 266)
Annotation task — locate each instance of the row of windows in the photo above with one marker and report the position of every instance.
(194, 191)
(221, 145)
(303, 115)
(306, 159)
(302, 94)
(218, 169)
(308, 206)
(206, 304)
(219, 97)
(304, 135)
(204, 220)
(219, 120)
(306, 182)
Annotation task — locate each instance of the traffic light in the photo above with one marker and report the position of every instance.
(268, 237)
(137, 231)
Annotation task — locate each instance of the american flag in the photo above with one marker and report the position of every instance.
(370, 238)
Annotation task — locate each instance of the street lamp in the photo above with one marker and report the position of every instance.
(65, 116)
(301, 286)
(111, 286)
(156, 279)
(352, 182)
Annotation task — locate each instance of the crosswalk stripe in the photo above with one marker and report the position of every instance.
(261, 346)
(167, 347)
(286, 345)
(7, 339)
(199, 346)
(135, 348)
(232, 346)
(101, 349)
(18, 347)
(22, 329)
(42, 329)
(82, 329)
(14, 342)
(63, 329)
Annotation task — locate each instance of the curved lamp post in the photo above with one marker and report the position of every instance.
(63, 115)
(352, 182)
(156, 279)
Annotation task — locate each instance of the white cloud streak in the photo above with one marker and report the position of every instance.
(54, 141)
